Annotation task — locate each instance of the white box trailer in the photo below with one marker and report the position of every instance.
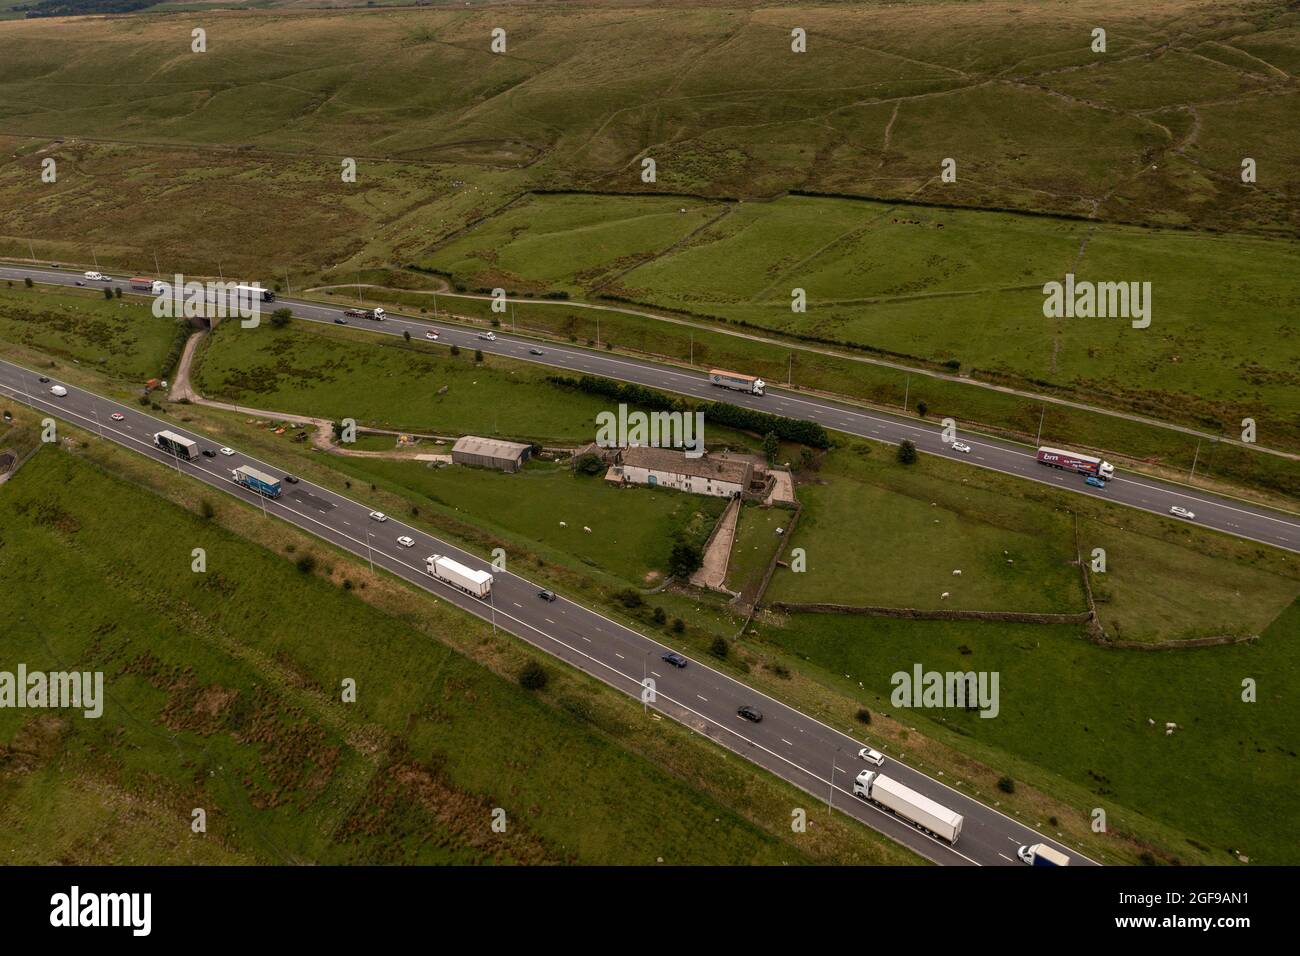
(475, 583)
(915, 808)
(736, 381)
(1040, 854)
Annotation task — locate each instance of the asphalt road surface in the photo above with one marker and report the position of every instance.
(1232, 516)
(800, 749)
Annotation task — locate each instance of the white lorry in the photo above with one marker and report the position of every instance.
(1040, 854)
(475, 583)
(916, 809)
(737, 382)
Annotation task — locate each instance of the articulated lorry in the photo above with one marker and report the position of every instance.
(1073, 461)
(918, 810)
(475, 583)
(1040, 854)
(176, 445)
(737, 382)
(255, 480)
(152, 286)
(374, 315)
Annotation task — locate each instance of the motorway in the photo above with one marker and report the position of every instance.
(1229, 515)
(800, 749)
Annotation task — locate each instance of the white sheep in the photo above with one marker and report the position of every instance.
(957, 573)
(586, 529)
(943, 596)
(563, 524)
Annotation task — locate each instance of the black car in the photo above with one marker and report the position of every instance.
(546, 595)
(673, 658)
(292, 479)
(752, 714)
(43, 379)
(209, 453)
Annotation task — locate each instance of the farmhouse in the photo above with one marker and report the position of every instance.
(709, 475)
(490, 453)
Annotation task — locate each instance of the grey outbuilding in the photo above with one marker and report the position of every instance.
(490, 453)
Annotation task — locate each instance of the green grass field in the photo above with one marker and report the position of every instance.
(1080, 712)
(223, 693)
(120, 337)
(632, 530)
(345, 374)
(878, 534)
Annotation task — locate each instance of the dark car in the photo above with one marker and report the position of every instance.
(752, 714)
(675, 659)
(546, 595)
(340, 321)
(209, 453)
(43, 379)
(292, 479)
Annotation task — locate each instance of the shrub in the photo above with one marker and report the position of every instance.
(478, 355)
(629, 598)
(28, 282)
(863, 715)
(719, 648)
(455, 350)
(685, 559)
(679, 626)
(280, 318)
(306, 564)
(589, 464)
(1007, 785)
(206, 509)
(659, 616)
(406, 334)
(907, 452)
(922, 408)
(533, 676)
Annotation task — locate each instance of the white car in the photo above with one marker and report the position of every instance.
(873, 757)
(431, 335)
(58, 391)
(96, 277)
(961, 446)
(227, 451)
(1182, 512)
(379, 516)
(406, 542)
(488, 336)
(117, 416)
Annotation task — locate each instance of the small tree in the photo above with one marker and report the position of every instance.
(679, 626)
(771, 447)
(807, 459)
(660, 616)
(589, 464)
(117, 292)
(719, 648)
(478, 355)
(684, 559)
(455, 350)
(863, 715)
(922, 408)
(280, 317)
(28, 282)
(1007, 785)
(306, 564)
(907, 452)
(406, 334)
(533, 676)
(206, 509)
(108, 294)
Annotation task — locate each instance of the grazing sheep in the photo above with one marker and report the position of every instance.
(586, 529)
(957, 573)
(944, 595)
(563, 524)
